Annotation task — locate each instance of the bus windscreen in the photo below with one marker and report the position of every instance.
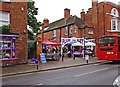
(106, 41)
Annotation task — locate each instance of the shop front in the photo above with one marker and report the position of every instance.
(8, 49)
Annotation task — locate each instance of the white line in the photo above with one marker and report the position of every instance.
(96, 64)
(40, 84)
(90, 72)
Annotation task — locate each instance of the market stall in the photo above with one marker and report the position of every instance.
(50, 49)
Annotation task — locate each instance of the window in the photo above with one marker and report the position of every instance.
(118, 26)
(66, 30)
(71, 29)
(115, 24)
(54, 33)
(90, 31)
(4, 0)
(107, 41)
(119, 44)
(4, 18)
(114, 12)
(75, 30)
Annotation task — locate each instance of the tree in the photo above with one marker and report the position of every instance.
(32, 21)
(5, 29)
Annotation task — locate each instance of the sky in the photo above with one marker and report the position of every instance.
(54, 9)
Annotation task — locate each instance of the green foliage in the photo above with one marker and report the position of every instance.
(5, 29)
(30, 36)
(32, 21)
(31, 50)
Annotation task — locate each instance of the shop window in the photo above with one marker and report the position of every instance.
(7, 47)
(4, 18)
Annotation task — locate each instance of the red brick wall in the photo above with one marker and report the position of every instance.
(48, 35)
(18, 22)
(98, 18)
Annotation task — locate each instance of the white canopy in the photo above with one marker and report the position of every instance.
(77, 44)
(90, 44)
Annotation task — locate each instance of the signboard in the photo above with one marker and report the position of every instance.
(43, 58)
(65, 40)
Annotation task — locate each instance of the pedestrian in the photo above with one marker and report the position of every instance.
(86, 57)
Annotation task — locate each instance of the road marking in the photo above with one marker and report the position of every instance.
(40, 84)
(96, 64)
(90, 72)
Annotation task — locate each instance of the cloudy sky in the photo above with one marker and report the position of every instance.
(54, 9)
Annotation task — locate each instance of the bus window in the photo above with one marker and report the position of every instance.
(106, 41)
(119, 44)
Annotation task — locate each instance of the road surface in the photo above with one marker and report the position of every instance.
(94, 74)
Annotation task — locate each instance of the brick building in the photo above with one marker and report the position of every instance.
(69, 26)
(15, 14)
(101, 19)
(104, 16)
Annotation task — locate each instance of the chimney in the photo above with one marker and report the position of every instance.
(94, 3)
(82, 14)
(66, 13)
(45, 22)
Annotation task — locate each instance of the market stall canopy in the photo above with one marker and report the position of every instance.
(77, 44)
(46, 41)
(90, 44)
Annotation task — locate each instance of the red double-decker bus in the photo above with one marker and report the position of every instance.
(108, 48)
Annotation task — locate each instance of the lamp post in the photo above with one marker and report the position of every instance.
(84, 46)
(84, 40)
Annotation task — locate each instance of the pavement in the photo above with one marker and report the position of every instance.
(50, 65)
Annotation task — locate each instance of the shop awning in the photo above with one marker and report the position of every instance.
(90, 44)
(77, 44)
(47, 42)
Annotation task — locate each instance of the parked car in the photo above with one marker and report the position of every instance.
(116, 83)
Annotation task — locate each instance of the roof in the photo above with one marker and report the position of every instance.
(111, 3)
(62, 23)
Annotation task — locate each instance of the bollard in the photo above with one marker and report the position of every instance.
(62, 57)
(37, 62)
(73, 56)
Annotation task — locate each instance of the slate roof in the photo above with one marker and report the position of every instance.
(62, 23)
